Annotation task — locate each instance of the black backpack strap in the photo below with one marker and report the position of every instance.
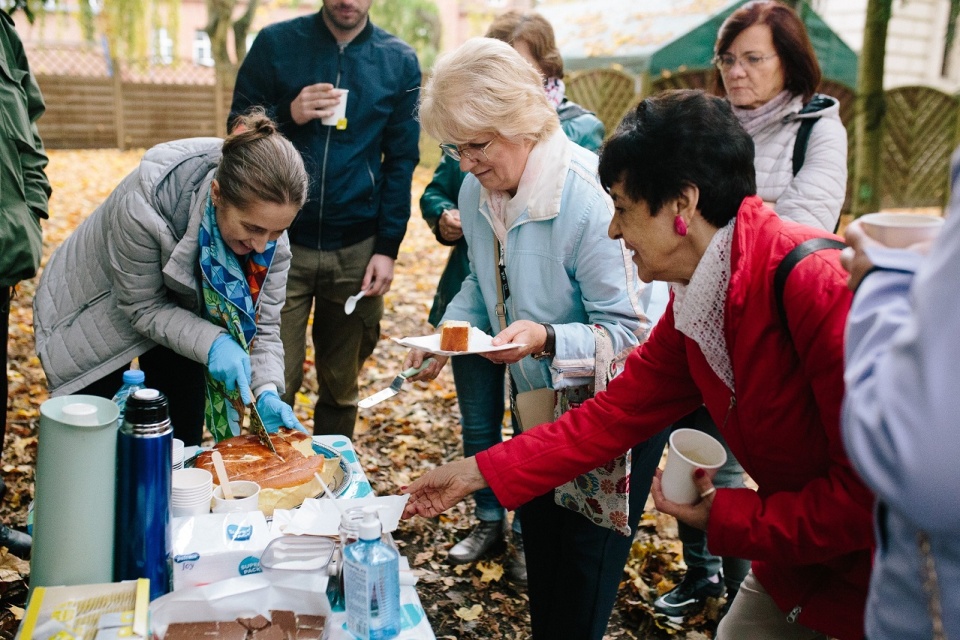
(818, 102)
(800, 144)
(791, 260)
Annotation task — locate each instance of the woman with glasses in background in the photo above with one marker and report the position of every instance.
(535, 218)
(767, 70)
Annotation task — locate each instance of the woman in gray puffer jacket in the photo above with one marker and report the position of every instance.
(183, 266)
(768, 71)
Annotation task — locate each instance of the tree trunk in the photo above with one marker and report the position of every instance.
(870, 108)
(241, 28)
(219, 18)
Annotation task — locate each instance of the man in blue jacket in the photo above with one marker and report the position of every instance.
(347, 236)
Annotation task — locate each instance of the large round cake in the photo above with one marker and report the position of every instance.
(285, 479)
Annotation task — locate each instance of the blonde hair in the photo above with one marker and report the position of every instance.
(485, 86)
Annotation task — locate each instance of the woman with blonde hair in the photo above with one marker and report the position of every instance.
(544, 276)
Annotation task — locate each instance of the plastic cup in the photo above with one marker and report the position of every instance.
(689, 450)
(900, 230)
(339, 112)
(246, 497)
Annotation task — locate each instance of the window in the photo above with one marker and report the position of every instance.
(202, 51)
(161, 47)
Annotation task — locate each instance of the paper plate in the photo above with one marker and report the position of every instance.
(477, 342)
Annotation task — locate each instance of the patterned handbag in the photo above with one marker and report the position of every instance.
(602, 495)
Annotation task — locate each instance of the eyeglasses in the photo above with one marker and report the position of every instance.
(467, 151)
(726, 61)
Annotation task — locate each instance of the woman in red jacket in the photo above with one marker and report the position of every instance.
(680, 171)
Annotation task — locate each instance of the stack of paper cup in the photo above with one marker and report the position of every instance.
(191, 492)
(177, 458)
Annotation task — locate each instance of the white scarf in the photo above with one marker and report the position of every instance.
(698, 307)
(544, 165)
(755, 120)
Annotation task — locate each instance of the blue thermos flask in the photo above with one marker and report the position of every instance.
(144, 451)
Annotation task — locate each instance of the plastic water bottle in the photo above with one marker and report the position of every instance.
(132, 380)
(371, 576)
(143, 544)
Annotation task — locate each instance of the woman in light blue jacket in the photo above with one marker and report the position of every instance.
(900, 424)
(533, 209)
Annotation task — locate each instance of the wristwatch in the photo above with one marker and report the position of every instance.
(550, 344)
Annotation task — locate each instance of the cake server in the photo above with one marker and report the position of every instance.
(256, 423)
(394, 387)
(257, 426)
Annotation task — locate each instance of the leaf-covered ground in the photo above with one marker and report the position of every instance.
(397, 440)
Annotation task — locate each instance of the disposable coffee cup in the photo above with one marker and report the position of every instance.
(689, 450)
(900, 230)
(246, 497)
(339, 112)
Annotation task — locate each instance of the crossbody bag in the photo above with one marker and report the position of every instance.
(602, 495)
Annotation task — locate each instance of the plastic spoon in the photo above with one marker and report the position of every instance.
(222, 476)
(329, 493)
(351, 302)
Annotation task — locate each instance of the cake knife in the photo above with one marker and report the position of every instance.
(394, 387)
(257, 426)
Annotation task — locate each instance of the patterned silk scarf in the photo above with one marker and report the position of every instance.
(231, 291)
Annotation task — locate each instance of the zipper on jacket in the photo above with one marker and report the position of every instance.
(326, 149)
(730, 407)
(794, 614)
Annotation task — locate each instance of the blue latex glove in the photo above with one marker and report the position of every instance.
(276, 413)
(230, 364)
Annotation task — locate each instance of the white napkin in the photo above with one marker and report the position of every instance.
(321, 517)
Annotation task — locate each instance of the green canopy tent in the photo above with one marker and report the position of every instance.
(653, 37)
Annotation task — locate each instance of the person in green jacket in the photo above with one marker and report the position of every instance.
(24, 192)
(479, 382)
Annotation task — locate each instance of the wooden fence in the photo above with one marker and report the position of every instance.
(133, 110)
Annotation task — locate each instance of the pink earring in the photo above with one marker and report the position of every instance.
(680, 226)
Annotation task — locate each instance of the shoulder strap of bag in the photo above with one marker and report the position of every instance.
(817, 103)
(800, 145)
(791, 260)
(502, 291)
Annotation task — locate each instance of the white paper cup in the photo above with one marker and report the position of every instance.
(246, 497)
(339, 111)
(689, 450)
(177, 456)
(190, 492)
(900, 230)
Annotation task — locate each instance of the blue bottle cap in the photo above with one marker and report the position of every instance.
(133, 376)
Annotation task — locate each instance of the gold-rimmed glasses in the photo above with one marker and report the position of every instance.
(726, 61)
(467, 151)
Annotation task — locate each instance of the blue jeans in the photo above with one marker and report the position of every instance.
(480, 394)
(729, 476)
